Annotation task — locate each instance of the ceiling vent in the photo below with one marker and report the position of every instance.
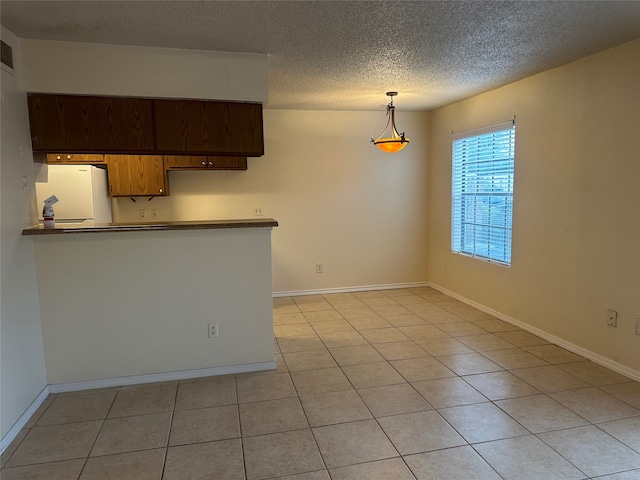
(7, 57)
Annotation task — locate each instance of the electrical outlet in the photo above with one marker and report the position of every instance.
(155, 214)
(257, 212)
(142, 214)
(319, 268)
(612, 318)
(213, 330)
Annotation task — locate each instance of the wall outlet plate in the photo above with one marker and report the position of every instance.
(213, 330)
(612, 318)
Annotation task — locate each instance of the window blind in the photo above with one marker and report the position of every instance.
(482, 192)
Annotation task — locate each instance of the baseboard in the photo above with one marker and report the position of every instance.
(595, 357)
(365, 288)
(121, 381)
(24, 418)
(161, 377)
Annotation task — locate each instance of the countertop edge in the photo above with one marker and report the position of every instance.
(142, 227)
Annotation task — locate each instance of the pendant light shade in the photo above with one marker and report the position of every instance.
(394, 141)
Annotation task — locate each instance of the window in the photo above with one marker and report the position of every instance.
(482, 193)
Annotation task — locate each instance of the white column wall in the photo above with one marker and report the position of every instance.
(22, 374)
(138, 303)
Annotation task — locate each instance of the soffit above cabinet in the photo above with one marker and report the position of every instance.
(75, 68)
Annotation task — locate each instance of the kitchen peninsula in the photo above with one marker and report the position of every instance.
(143, 227)
(125, 303)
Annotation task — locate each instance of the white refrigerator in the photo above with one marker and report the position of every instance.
(82, 192)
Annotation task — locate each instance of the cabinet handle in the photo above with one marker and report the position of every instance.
(211, 164)
(58, 157)
(160, 190)
(68, 157)
(204, 163)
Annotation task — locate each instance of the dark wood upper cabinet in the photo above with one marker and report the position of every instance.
(93, 124)
(197, 127)
(200, 162)
(86, 124)
(76, 158)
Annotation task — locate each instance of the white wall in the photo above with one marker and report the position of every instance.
(136, 303)
(95, 69)
(576, 219)
(22, 375)
(340, 201)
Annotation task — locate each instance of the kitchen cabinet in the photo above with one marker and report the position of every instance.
(76, 158)
(136, 175)
(86, 124)
(193, 127)
(197, 162)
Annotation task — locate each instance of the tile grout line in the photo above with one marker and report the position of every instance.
(244, 456)
(173, 413)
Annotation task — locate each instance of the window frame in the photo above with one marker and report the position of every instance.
(482, 180)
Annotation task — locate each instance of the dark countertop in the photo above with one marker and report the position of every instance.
(143, 227)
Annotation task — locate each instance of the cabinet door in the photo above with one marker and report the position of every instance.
(186, 162)
(136, 175)
(67, 123)
(227, 163)
(205, 127)
(83, 158)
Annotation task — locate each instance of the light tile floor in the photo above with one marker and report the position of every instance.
(381, 385)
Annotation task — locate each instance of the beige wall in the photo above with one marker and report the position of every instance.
(22, 375)
(340, 201)
(136, 303)
(576, 219)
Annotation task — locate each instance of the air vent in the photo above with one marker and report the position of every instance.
(7, 55)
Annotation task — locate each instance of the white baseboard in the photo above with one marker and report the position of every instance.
(161, 377)
(24, 418)
(121, 381)
(365, 288)
(595, 357)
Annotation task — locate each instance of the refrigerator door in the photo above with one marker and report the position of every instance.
(72, 184)
(101, 199)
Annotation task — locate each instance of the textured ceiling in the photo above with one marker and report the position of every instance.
(344, 55)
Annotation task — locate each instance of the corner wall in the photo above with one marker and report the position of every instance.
(22, 375)
(576, 219)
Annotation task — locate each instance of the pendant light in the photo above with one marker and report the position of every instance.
(396, 141)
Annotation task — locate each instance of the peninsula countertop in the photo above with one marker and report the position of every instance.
(141, 227)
